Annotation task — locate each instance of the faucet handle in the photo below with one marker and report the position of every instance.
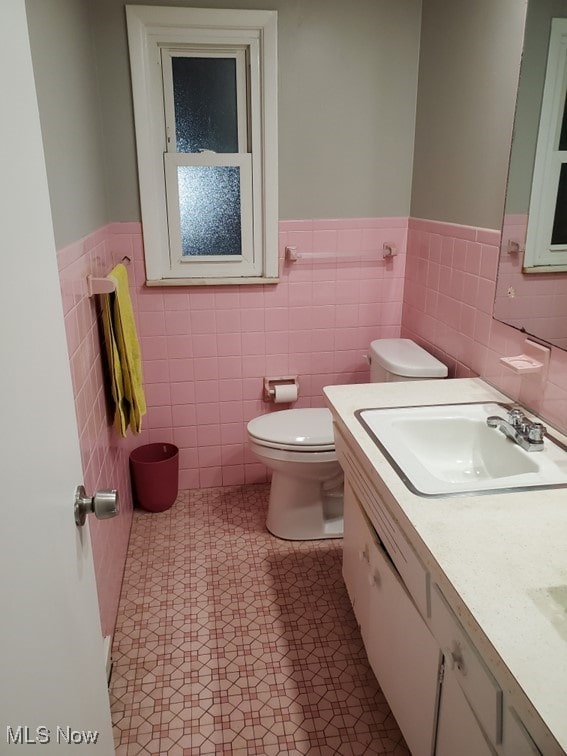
(536, 433)
(516, 418)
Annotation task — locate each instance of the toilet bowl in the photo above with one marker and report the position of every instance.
(306, 494)
(298, 446)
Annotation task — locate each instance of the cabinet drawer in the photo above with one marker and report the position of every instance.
(477, 683)
(402, 554)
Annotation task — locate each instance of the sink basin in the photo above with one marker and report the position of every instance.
(449, 449)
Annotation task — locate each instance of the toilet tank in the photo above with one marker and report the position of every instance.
(402, 360)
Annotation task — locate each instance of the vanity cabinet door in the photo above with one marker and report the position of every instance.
(473, 676)
(458, 731)
(402, 652)
(517, 741)
(356, 555)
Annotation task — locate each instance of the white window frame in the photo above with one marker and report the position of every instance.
(246, 263)
(541, 256)
(153, 34)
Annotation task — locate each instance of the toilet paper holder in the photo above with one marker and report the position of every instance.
(271, 383)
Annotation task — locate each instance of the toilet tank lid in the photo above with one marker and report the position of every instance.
(302, 427)
(404, 357)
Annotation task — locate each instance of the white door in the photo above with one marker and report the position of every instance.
(52, 674)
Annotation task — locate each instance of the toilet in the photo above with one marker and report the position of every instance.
(298, 446)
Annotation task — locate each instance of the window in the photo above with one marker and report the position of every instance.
(205, 108)
(546, 239)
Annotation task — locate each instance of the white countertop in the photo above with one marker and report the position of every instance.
(495, 557)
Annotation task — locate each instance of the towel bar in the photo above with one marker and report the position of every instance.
(98, 285)
(102, 284)
(388, 250)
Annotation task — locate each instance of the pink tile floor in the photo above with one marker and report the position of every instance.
(230, 641)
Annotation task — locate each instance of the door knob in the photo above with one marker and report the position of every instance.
(104, 504)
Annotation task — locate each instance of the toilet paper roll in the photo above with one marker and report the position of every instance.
(285, 393)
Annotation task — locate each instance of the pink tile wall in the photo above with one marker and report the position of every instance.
(206, 349)
(448, 300)
(523, 299)
(104, 457)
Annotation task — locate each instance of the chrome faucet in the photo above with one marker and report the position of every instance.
(522, 431)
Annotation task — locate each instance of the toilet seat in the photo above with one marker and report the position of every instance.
(299, 430)
(297, 447)
(306, 497)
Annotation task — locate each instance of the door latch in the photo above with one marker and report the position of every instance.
(104, 504)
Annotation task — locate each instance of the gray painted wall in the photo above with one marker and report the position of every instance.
(65, 75)
(347, 93)
(347, 96)
(468, 76)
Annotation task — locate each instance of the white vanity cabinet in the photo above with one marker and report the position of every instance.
(401, 650)
(442, 694)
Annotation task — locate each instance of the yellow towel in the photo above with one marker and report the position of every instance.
(124, 357)
(121, 410)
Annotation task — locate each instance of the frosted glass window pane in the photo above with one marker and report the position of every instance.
(204, 94)
(209, 206)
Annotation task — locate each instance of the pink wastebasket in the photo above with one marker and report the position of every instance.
(155, 476)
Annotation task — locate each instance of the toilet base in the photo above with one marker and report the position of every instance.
(305, 510)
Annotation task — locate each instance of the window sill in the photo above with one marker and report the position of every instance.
(212, 281)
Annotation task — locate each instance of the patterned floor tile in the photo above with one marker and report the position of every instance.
(230, 641)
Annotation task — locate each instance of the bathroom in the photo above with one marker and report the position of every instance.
(423, 164)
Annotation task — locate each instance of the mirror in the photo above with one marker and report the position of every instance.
(534, 303)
